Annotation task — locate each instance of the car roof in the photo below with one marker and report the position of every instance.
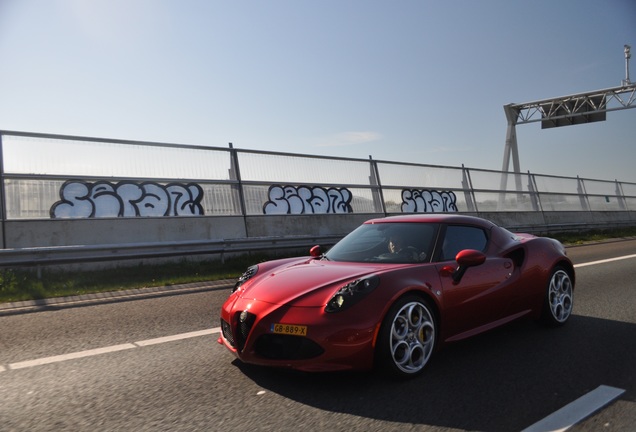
(435, 218)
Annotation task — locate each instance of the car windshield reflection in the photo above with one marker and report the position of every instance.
(387, 242)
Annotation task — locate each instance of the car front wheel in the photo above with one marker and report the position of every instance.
(407, 337)
(557, 306)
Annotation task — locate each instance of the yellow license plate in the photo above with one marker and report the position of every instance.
(289, 329)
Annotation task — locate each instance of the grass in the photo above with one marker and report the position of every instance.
(571, 239)
(19, 285)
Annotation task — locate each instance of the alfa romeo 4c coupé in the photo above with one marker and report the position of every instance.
(392, 291)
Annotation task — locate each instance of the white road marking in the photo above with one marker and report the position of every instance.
(106, 350)
(177, 337)
(70, 356)
(605, 261)
(576, 411)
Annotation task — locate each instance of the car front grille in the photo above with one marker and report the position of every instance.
(271, 346)
(245, 322)
(287, 347)
(226, 329)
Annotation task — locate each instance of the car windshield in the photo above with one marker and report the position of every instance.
(386, 242)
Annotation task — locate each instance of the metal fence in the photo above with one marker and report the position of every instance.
(65, 177)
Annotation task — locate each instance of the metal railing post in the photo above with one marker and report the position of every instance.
(469, 191)
(585, 202)
(3, 201)
(534, 193)
(622, 201)
(376, 186)
(235, 174)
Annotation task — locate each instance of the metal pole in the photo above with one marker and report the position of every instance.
(3, 201)
(235, 172)
(628, 55)
(510, 149)
(469, 192)
(376, 185)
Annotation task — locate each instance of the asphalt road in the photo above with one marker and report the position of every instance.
(109, 367)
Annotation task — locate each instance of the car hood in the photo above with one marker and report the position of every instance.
(309, 283)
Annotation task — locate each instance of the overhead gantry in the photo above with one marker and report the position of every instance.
(575, 109)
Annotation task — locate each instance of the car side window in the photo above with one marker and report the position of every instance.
(460, 237)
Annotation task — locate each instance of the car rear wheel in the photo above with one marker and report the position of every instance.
(558, 302)
(407, 337)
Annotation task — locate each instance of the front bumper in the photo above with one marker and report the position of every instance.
(338, 341)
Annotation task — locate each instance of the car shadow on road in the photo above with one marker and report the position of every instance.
(504, 380)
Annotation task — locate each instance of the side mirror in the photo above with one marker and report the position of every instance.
(315, 251)
(470, 258)
(466, 258)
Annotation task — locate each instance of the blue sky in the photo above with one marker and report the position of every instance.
(412, 81)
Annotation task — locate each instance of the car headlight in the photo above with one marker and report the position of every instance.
(249, 273)
(351, 293)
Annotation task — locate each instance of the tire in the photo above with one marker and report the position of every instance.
(407, 337)
(558, 301)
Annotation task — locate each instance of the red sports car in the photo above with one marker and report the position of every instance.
(391, 291)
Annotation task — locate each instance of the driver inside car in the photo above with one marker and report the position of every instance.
(398, 245)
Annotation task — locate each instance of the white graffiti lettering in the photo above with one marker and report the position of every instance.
(307, 200)
(82, 199)
(428, 201)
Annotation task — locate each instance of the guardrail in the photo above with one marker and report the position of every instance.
(32, 257)
(548, 229)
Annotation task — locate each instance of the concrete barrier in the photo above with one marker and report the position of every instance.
(69, 232)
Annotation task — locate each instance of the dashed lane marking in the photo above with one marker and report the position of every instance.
(605, 261)
(106, 350)
(576, 411)
(177, 337)
(70, 356)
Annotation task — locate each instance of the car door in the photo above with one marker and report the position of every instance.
(482, 297)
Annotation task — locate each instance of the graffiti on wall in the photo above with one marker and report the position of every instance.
(307, 200)
(82, 199)
(428, 201)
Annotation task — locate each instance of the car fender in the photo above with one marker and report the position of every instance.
(424, 281)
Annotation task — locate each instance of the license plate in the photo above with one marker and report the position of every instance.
(289, 329)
